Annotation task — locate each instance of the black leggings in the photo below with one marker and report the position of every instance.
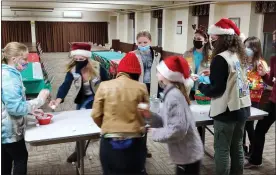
(17, 154)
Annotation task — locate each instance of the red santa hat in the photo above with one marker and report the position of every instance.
(81, 49)
(225, 26)
(176, 69)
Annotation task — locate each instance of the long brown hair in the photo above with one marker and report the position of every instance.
(232, 43)
(183, 90)
(254, 43)
(206, 47)
(89, 67)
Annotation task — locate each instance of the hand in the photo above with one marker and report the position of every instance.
(44, 94)
(151, 130)
(145, 112)
(54, 103)
(206, 72)
(194, 77)
(261, 70)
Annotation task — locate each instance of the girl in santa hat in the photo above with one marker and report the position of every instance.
(86, 79)
(174, 124)
(229, 90)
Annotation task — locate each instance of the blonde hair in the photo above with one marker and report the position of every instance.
(13, 49)
(89, 67)
(183, 90)
(143, 33)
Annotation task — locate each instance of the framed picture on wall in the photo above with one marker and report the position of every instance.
(236, 21)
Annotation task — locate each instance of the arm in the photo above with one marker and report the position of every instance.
(177, 124)
(65, 87)
(204, 79)
(156, 121)
(218, 78)
(268, 78)
(98, 107)
(15, 103)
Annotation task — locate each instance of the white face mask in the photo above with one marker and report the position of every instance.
(161, 84)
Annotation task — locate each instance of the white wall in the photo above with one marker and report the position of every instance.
(112, 29)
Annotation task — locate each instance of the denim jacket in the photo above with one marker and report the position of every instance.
(14, 105)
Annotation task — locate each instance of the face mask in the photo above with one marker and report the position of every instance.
(20, 66)
(143, 48)
(81, 64)
(249, 52)
(198, 44)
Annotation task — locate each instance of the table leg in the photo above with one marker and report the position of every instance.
(80, 157)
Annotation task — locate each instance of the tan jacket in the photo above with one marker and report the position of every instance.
(236, 95)
(115, 105)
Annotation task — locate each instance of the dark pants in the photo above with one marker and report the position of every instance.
(249, 129)
(126, 161)
(188, 169)
(228, 142)
(17, 154)
(260, 131)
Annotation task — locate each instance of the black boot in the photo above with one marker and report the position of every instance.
(149, 155)
(73, 157)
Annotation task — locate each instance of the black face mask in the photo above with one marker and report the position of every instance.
(81, 64)
(198, 44)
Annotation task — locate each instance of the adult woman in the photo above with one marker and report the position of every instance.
(148, 60)
(199, 58)
(254, 54)
(86, 79)
(230, 107)
(15, 108)
(263, 126)
(123, 142)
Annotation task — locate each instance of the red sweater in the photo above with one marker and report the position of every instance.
(268, 78)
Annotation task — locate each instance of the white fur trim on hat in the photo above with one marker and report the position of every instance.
(242, 36)
(80, 52)
(215, 30)
(169, 74)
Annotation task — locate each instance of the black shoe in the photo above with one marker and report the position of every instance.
(149, 155)
(73, 157)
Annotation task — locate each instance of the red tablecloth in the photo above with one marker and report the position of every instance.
(33, 57)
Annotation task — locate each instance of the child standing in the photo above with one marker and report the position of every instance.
(254, 54)
(174, 124)
(15, 108)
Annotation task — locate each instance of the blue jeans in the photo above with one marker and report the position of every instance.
(87, 103)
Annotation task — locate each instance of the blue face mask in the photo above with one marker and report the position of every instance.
(249, 52)
(143, 48)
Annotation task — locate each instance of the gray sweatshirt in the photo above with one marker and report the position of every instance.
(175, 126)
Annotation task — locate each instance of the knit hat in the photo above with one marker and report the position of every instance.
(81, 49)
(176, 69)
(225, 26)
(130, 64)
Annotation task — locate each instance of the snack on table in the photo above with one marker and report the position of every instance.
(201, 98)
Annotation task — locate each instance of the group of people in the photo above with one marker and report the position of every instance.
(219, 65)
